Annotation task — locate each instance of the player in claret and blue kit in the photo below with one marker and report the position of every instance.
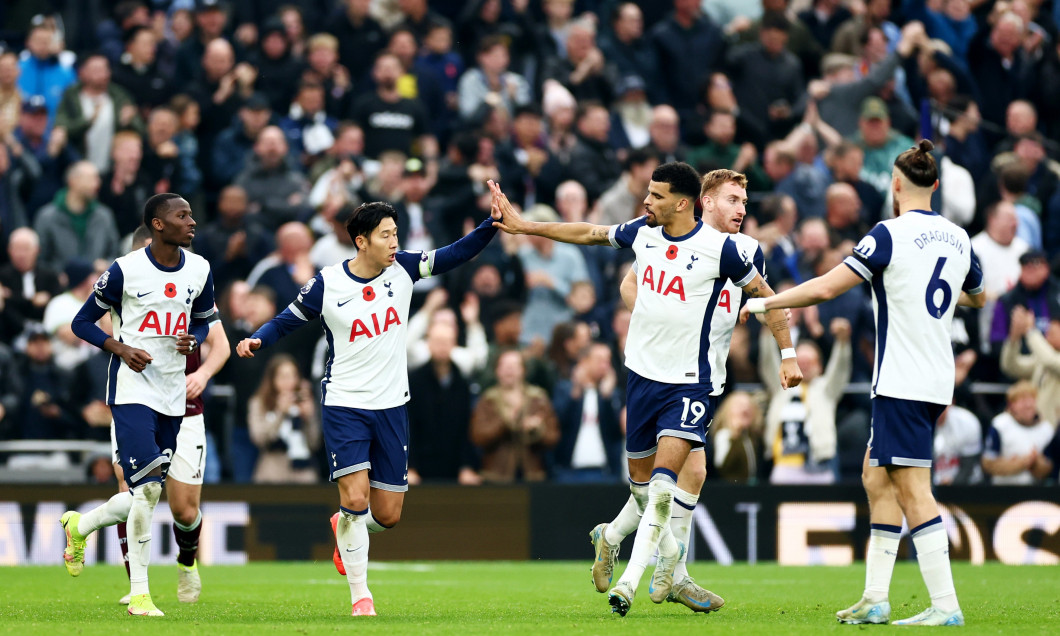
(363, 306)
(921, 266)
(161, 301)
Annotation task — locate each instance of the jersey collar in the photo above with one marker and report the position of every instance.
(346, 268)
(678, 239)
(175, 268)
(925, 212)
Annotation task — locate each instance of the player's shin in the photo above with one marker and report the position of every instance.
(352, 537)
(113, 511)
(654, 529)
(681, 526)
(144, 499)
(933, 553)
(187, 539)
(629, 517)
(879, 561)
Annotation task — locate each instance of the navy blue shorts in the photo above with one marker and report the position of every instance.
(656, 409)
(372, 440)
(903, 432)
(146, 440)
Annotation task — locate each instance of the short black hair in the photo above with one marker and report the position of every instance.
(683, 178)
(157, 205)
(638, 156)
(367, 217)
(918, 165)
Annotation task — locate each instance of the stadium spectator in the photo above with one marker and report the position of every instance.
(958, 445)
(514, 425)
(18, 171)
(438, 57)
(490, 83)
(722, 151)
(800, 432)
(10, 393)
(188, 116)
(335, 246)
(1021, 119)
(439, 413)
(420, 84)
(92, 110)
(1002, 69)
(1040, 364)
(359, 36)
(138, 70)
(736, 439)
(534, 171)
(550, 269)
(233, 243)
(999, 245)
(162, 165)
(845, 161)
(1012, 453)
(627, 48)
(631, 115)
(591, 440)
(236, 142)
(284, 425)
(69, 350)
(278, 69)
(849, 36)
(880, 143)
(322, 58)
(823, 18)
(625, 199)
(800, 180)
(593, 162)
(390, 121)
(310, 130)
(51, 153)
(583, 70)
(767, 78)
(223, 88)
(1012, 185)
(210, 22)
(964, 142)
(46, 412)
(1035, 289)
(26, 286)
(43, 71)
(125, 186)
(76, 223)
(293, 267)
(275, 190)
(843, 213)
(470, 359)
(11, 97)
(686, 34)
(417, 17)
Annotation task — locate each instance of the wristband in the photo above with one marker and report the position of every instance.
(787, 354)
(756, 305)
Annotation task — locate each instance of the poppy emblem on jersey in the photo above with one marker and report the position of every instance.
(671, 252)
(171, 290)
(389, 292)
(369, 293)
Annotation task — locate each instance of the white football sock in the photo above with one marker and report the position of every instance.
(681, 526)
(351, 533)
(373, 525)
(144, 499)
(654, 529)
(629, 517)
(111, 512)
(933, 554)
(879, 561)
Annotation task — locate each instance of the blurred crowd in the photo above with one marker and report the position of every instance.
(276, 118)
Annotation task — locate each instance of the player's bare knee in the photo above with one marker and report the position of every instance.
(387, 517)
(693, 474)
(185, 515)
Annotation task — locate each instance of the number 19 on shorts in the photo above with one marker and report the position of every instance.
(696, 409)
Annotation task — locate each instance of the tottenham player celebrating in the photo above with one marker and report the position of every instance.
(673, 348)
(723, 195)
(161, 299)
(185, 475)
(921, 266)
(363, 306)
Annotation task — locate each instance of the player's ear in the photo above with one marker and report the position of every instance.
(935, 186)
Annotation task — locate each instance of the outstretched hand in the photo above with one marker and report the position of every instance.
(247, 347)
(507, 218)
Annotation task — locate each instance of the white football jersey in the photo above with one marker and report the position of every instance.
(1009, 438)
(365, 324)
(150, 306)
(684, 315)
(918, 264)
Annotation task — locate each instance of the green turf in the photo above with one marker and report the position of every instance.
(505, 597)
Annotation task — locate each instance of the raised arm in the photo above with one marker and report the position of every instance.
(513, 223)
(838, 281)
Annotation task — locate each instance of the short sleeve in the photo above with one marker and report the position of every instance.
(872, 254)
(310, 300)
(623, 235)
(760, 262)
(108, 288)
(203, 306)
(973, 282)
(733, 266)
(416, 264)
(992, 444)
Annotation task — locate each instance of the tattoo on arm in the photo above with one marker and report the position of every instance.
(775, 318)
(599, 235)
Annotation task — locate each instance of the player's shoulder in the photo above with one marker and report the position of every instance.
(745, 243)
(634, 225)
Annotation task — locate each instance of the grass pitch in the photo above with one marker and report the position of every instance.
(506, 597)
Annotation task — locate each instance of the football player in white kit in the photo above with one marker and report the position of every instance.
(723, 196)
(363, 306)
(675, 350)
(161, 300)
(921, 266)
